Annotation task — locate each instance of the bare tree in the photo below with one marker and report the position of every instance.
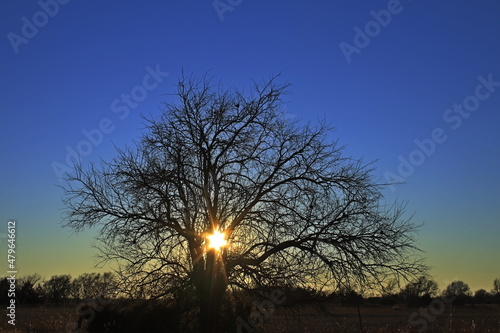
(496, 287)
(58, 288)
(457, 288)
(29, 289)
(94, 286)
(459, 292)
(419, 292)
(280, 201)
(422, 286)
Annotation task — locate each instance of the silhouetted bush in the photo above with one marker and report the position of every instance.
(481, 296)
(496, 298)
(4, 290)
(136, 316)
(347, 297)
(295, 295)
(389, 300)
(28, 290)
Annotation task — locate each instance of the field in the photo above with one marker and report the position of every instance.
(40, 319)
(315, 318)
(480, 318)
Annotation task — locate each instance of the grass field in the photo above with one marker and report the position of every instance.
(315, 318)
(481, 318)
(40, 319)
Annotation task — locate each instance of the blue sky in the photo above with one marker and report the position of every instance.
(63, 78)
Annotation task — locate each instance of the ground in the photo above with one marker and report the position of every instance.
(317, 318)
(479, 318)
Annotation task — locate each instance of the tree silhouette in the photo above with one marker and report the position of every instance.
(459, 291)
(58, 288)
(496, 286)
(481, 296)
(291, 207)
(93, 286)
(420, 291)
(496, 290)
(30, 289)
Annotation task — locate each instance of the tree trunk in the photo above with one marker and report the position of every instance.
(211, 290)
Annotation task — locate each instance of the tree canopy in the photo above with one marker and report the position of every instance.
(293, 209)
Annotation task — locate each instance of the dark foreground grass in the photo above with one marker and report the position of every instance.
(38, 319)
(320, 317)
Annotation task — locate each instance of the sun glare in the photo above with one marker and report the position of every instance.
(216, 240)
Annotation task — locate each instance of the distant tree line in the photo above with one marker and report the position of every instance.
(421, 292)
(33, 289)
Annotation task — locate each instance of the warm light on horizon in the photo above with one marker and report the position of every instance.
(217, 240)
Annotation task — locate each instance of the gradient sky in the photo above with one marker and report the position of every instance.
(69, 75)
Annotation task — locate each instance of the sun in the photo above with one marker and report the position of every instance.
(216, 240)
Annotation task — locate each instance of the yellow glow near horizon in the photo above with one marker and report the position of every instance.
(217, 240)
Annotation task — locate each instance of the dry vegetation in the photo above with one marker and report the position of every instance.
(39, 319)
(479, 318)
(316, 318)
